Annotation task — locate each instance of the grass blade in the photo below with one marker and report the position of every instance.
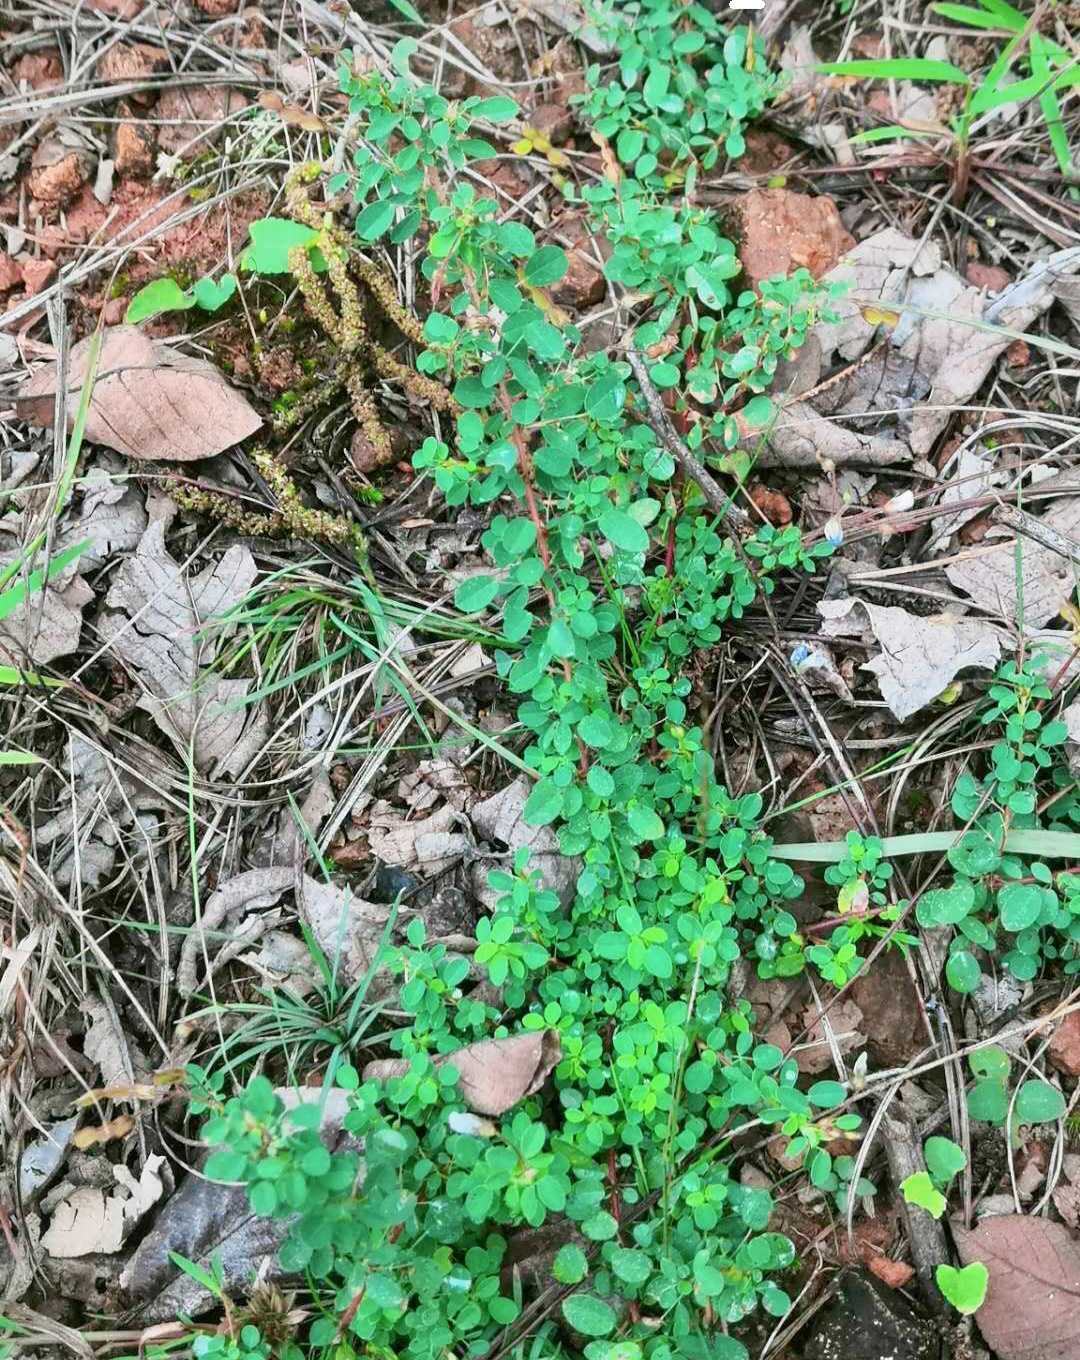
(978, 18)
(1043, 844)
(13, 596)
(899, 68)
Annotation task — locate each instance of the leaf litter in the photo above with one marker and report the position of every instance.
(148, 400)
(165, 625)
(157, 614)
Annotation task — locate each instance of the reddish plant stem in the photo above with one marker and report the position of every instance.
(525, 468)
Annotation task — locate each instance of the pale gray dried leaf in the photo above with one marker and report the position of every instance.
(98, 799)
(47, 624)
(228, 905)
(149, 400)
(501, 818)
(204, 1219)
(158, 622)
(87, 1222)
(970, 475)
(428, 845)
(1031, 1310)
(988, 573)
(282, 960)
(875, 271)
(106, 1045)
(919, 655)
(91, 1222)
(933, 360)
(433, 780)
(347, 929)
(494, 1073)
(17, 1275)
(111, 514)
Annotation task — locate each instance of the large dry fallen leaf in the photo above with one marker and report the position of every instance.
(500, 818)
(919, 655)
(89, 1222)
(428, 845)
(930, 357)
(1047, 579)
(149, 401)
(106, 1044)
(157, 622)
(1032, 1308)
(48, 623)
(111, 517)
(205, 1220)
(495, 1073)
(98, 800)
(347, 929)
(231, 905)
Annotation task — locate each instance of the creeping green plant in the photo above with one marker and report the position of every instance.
(166, 295)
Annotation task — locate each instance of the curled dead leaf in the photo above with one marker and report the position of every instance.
(90, 1137)
(495, 1073)
(291, 114)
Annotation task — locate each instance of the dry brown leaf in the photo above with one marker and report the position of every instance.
(347, 929)
(919, 655)
(238, 900)
(428, 845)
(106, 1045)
(89, 1137)
(48, 623)
(149, 401)
(1032, 1308)
(495, 1073)
(291, 114)
(158, 625)
(988, 573)
(501, 818)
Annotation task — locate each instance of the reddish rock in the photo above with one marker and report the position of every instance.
(774, 505)
(53, 241)
(133, 149)
(10, 274)
(896, 1274)
(188, 118)
(891, 1011)
(780, 231)
(56, 174)
(1018, 355)
(583, 285)
(989, 276)
(85, 216)
(765, 152)
(38, 274)
(555, 121)
(39, 70)
(1064, 1047)
(125, 62)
